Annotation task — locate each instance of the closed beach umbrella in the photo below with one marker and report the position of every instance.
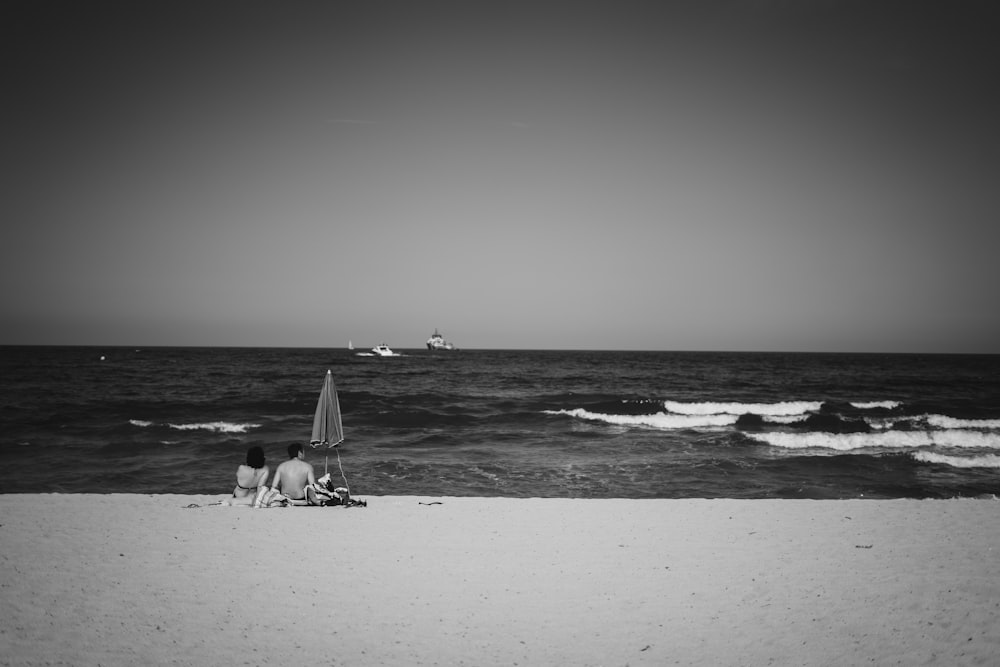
(327, 429)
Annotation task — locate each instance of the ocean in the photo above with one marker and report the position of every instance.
(507, 423)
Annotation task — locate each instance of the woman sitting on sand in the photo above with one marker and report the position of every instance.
(251, 475)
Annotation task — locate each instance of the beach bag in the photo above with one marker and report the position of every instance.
(269, 498)
(341, 497)
(327, 495)
(323, 493)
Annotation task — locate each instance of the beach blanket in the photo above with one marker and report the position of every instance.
(269, 498)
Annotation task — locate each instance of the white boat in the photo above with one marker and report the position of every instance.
(380, 350)
(437, 342)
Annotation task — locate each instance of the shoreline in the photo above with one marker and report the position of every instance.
(116, 579)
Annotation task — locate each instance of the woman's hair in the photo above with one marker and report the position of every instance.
(255, 457)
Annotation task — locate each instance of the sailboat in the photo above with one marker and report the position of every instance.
(350, 345)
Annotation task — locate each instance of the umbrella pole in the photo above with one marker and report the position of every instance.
(340, 465)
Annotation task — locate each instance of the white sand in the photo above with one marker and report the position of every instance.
(130, 579)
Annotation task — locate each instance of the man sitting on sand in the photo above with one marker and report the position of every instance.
(294, 476)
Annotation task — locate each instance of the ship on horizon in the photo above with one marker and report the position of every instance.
(437, 342)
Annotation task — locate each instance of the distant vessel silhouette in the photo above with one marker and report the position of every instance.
(437, 342)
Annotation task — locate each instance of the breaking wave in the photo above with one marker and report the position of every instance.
(940, 421)
(784, 409)
(214, 427)
(658, 420)
(814, 427)
(985, 461)
(872, 405)
(846, 442)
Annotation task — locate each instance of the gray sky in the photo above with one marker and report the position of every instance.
(756, 175)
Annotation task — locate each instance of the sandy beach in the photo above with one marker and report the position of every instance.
(135, 579)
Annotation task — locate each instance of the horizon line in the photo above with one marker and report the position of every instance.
(494, 349)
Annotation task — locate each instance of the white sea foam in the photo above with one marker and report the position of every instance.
(845, 442)
(219, 427)
(940, 421)
(933, 421)
(885, 423)
(658, 420)
(140, 422)
(784, 419)
(985, 461)
(773, 409)
(869, 405)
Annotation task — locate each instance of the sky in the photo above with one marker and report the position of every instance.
(714, 175)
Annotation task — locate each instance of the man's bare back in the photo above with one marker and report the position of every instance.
(292, 476)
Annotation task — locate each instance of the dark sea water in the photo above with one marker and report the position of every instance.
(507, 423)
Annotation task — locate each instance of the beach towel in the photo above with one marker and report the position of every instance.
(269, 498)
